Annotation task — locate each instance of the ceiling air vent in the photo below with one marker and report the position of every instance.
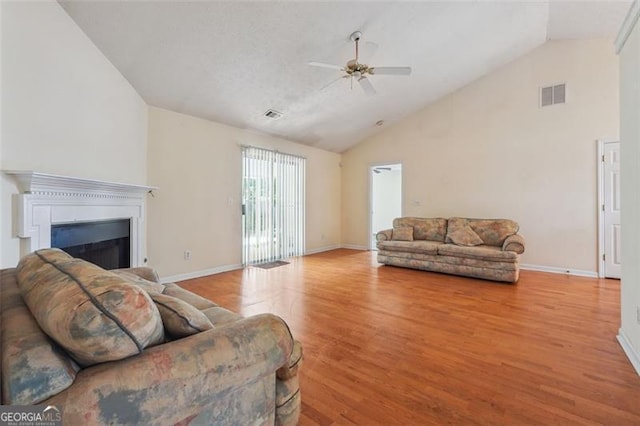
(552, 95)
(273, 114)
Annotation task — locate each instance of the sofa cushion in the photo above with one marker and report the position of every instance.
(180, 319)
(402, 233)
(34, 367)
(94, 314)
(431, 229)
(143, 283)
(423, 247)
(493, 232)
(431, 261)
(145, 272)
(220, 316)
(464, 236)
(495, 272)
(478, 252)
(193, 299)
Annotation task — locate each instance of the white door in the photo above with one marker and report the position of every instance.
(611, 209)
(386, 198)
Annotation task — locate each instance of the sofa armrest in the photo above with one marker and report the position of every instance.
(514, 243)
(176, 380)
(144, 272)
(384, 235)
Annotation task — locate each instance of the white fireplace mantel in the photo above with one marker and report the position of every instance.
(47, 200)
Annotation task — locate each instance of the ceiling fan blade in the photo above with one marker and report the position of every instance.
(367, 86)
(330, 66)
(333, 81)
(380, 169)
(390, 70)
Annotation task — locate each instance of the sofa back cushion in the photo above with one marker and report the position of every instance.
(193, 299)
(180, 319)
(94, 314)
(463, 236)
(143, 283)
(34, 367)
(431, 229)
(493, 232)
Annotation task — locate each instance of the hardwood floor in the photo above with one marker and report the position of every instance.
(387, 345)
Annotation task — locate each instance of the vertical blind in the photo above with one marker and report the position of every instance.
(273, 205)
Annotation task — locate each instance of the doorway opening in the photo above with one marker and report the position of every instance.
(273, 200)
(385, 198)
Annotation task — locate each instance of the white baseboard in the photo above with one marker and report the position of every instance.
(321, 249)
(628, 349)
(198, 274)
(355, 247)
(556, 270)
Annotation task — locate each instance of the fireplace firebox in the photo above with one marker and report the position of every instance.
(105, 243)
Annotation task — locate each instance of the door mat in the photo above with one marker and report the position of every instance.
(270, 265)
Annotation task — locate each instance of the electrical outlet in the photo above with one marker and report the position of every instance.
(322, 237)
(187, 255)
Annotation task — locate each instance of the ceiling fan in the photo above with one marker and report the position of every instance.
(379, 170)
(358, 71)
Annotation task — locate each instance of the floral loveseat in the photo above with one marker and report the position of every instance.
(480, 248)
(118, 347)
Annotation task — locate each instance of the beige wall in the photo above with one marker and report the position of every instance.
(197, 166)
(488, 150)
(66, 109)
(630, 187)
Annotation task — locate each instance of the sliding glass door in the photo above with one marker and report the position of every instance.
(272, 205)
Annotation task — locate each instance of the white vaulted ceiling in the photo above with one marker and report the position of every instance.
(230, 61)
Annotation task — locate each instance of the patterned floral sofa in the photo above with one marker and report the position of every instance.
(118, 347)
(480, 248)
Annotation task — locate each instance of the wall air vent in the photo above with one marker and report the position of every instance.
(552, 95)
(273, 114)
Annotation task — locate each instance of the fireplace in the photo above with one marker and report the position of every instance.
(105, 243)
(52, 206)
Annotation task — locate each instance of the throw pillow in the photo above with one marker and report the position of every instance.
(180, 319)
(198, 302)
(465, 236)
(402, 233)
(146, 285)
(92, 313)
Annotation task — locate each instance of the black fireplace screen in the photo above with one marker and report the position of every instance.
(105, 243)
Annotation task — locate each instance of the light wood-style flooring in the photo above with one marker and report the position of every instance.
(386, 345)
